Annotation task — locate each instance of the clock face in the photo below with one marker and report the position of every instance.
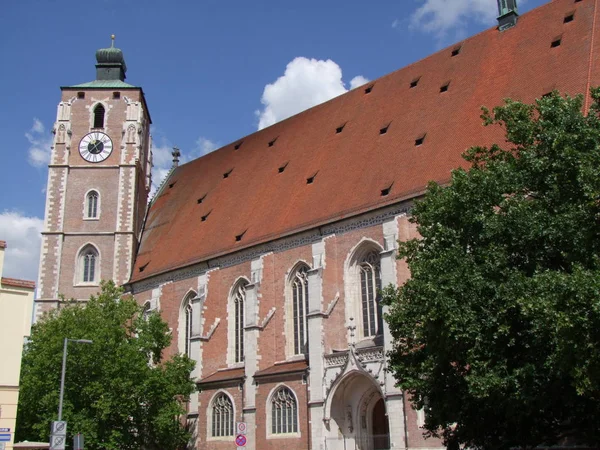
(95, 147)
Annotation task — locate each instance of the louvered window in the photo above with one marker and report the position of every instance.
(89, 261)
(238, 302)
(92, 205)
(99, 116)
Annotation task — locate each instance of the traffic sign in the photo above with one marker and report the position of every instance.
(5, 437)
(240, 440)
(59, 428)
(58, 442)
(241, 427)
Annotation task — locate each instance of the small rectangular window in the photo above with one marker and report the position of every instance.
(116, 95)
(81, 95)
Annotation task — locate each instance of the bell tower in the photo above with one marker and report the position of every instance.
(99, 179)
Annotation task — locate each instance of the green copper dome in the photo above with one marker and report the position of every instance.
(110, 63)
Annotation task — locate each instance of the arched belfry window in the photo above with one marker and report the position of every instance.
(99, 116)
(284, 412)
(222, 416)
(89, 262)
(91, 205)
(370, 285)
(239, 300)
(299, 289)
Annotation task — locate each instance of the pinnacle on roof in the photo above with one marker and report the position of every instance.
(110, 63)
(507, 14)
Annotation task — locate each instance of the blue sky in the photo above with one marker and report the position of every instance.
(212, 71)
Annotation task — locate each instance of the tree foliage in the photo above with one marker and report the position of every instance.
(119, 393)
(498, 331)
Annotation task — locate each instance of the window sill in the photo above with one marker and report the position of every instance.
(284, 436)
(93, 219)
(237, 365)
(92, 284)
(221, 438)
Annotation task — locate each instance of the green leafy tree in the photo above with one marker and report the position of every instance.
(497, 333)
(119, 393)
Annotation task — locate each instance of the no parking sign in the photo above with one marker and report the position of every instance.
(240, 440)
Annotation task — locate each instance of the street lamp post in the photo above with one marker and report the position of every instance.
(64, 369)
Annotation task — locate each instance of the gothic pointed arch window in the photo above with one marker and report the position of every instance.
(370, 287)
(88, 262)
(222, 416)
(92, 200)
(284, 412)
(99, 112)
(186, 321)
(299, 308)
(238, 300)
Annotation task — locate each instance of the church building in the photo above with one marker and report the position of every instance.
(266, 256)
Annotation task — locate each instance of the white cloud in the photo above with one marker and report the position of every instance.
(203, 146)
(40, 143)
(443, 17)
(358, 81)
(22, 235)
(305, 83)
(162, 157)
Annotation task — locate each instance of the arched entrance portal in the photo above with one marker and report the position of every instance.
(357, 419)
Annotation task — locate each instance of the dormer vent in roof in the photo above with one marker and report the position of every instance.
(369, 88)
(144, 266)
(569, 17)
(205, 216)
(456, 51)
(420, 140)
(386, 191)
(445, 87)
(339, 129)
(239, 237)
(201, 199)
(282, 168)
(238, 145)
(507, 14)
(556, 42)
(172, 184)
(272, 143)
(384, 129)
(226, 174)
(311, 179)
(176, 154)
(413, 83)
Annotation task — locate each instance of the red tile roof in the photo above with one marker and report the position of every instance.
(223, 375)
(353, 167)
(17, 283)
(283, 368)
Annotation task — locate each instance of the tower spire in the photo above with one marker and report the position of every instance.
(110, 62)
